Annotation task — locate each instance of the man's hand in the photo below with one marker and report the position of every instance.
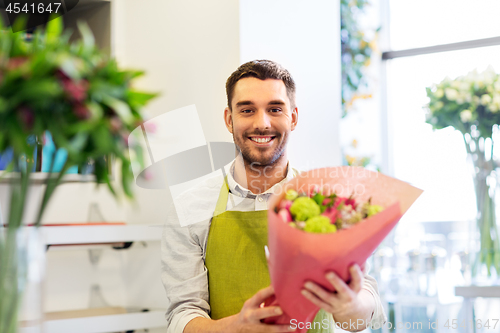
(247, 320)
(348, 304)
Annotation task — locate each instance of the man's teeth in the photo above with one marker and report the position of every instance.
(261, 140)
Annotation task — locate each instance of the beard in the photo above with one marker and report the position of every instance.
(260, 157)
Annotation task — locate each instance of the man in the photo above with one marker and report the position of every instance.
(215, 271)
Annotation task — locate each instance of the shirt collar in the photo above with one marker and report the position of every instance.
(237, 189)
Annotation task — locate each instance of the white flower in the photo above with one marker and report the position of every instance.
(497, 86)
(465, 116)
(439, 93)
(493, 108)
(464, 86)
(485, 99)
(496, 99)
(451, 94)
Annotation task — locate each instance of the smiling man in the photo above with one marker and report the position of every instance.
(215, 271)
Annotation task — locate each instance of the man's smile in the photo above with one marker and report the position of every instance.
(261, 140)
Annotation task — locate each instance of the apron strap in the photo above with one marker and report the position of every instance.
(221, 205)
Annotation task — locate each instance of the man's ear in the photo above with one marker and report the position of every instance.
(295, 118)
(228, 119)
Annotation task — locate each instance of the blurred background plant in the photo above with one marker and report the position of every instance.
(471, 104)
(358, 44)
(88, 105)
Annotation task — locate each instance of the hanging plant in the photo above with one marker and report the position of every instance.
(357, 47)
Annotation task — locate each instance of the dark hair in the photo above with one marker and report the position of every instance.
(261, 69)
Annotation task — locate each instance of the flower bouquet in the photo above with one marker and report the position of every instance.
(89, 106)
(471, 105)
(339, 219)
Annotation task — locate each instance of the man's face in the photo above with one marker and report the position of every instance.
(261, 120)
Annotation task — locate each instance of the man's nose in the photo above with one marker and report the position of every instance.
(262, 120)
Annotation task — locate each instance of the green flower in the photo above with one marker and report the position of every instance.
(291, 195)
(303, 208)
(319, 224)
(374, 209)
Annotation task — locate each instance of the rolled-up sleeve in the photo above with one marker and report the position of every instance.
(378, 318)
(184, 276)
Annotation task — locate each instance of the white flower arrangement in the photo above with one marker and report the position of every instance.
(473, 99)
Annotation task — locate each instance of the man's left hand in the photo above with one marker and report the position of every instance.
(341, 302)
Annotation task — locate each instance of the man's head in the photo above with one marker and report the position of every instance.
(261, 112)
(261, 69)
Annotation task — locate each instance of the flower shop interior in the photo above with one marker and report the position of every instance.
(387, 85)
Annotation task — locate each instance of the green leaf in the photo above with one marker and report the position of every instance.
(318, 198)
(53, 30)
(87, 36)
(127, 177)
(77, 143)
(121, 108)
(140, 98)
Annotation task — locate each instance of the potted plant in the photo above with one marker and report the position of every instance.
(88, 105)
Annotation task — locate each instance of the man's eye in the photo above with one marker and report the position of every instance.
(246, 111)
(275, 110)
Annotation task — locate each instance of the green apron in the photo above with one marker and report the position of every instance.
(236, 261)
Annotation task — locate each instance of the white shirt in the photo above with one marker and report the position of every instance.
(184, 274)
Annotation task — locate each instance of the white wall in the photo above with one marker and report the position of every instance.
(304, 37)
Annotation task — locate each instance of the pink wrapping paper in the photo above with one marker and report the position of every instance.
(297, 256)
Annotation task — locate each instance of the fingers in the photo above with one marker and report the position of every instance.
(260, 297)
(273, 328)
(318, 291)
(340, 286)
(316, 301)
(266, 312)
(356, 278)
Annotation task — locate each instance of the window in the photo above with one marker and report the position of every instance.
(434, 160)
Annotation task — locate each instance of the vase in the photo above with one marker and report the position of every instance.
(22, 262)
(485, 246)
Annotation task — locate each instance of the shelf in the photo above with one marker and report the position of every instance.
(41, 177)
(477, 291)
(103, 323)
(96, 234)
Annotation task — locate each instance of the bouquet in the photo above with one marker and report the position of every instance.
(308, 240)
(471, 105)
(320, 213)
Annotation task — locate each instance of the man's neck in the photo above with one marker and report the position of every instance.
(260, 178)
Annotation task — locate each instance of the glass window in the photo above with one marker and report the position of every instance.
(431, 22)
(434, 161)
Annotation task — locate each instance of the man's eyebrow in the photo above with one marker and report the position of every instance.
(241, 103)
(273, 102)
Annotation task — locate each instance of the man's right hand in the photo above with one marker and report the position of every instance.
(247, 320)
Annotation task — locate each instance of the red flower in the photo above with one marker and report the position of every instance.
(16, 62)
(76, 90)
(115, 124)
(81, 111)
(346, 201)
(27, 117)
(332, 213)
